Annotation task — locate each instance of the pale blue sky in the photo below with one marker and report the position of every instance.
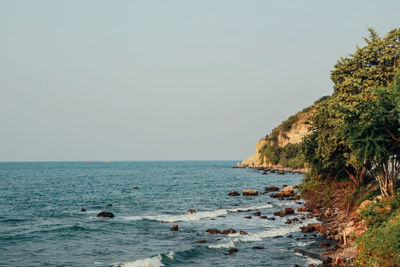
(166, 80)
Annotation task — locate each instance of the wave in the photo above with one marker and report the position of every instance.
(148, 262)
(194, 216)
(229, 244)
(254, 237)
(155, 261)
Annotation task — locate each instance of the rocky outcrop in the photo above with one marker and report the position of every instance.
(294, 135)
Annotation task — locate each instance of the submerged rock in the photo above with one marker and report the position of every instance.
(257, 247)
(257, 213)
(174, 228)
(228, 231)
(202, 241)
(82, 210)
(105, 214)
(232, 250)
(271, 188)
(250, 192)
(135, 187)
(213, 231)
(109, 205)
(233, 193)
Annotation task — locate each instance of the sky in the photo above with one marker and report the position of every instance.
(166, 80)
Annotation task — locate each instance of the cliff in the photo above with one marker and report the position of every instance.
(290, 131)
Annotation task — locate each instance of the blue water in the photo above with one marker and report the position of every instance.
(41, 223)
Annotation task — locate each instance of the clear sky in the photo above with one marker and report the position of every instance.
(166, 80)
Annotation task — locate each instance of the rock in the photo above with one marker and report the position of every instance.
(257, 213)
(295, 219)
(257, 247)
(135, 187)
(315, 211)
(233, 193)
(105, 214)
(191, 211)
(242, 233)
(281, 172)
(288, 221)
(83, 210)
(289, 210)
(311, 227)
(309, 216)
(202, 241)
(250, 192)
(296, 186)
(232, 250)
(274, 195)
(212, 231)
(303, 209)
(363, 205)
(228, 231)
(284, 212)
(109, 205)
(247, 217)
(263, 217)
(271, 219)
(271, 188)
(284, 185)
(174, 228)
(286, 192)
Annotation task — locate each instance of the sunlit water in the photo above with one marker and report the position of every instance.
(41, 223)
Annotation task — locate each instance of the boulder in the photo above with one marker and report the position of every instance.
(263, 217)
(284, 185)
(281, 172)
(280, 213)
(174, 228)
(257, 247)
(250, 192)
(257, 213)
(202, 241)
(289, 210)
(243, 233)
(191, 211)
(135, 187)
(287, 191)
(247, 217)
(233, 193)
(109, 205)
(83, 210)
(288, 221)
(271, 188)
(105, 214)
(228, 231)
(212, 231)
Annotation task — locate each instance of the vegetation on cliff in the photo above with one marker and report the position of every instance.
(355, 136)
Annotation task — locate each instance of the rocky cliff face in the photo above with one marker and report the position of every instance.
(291, 131)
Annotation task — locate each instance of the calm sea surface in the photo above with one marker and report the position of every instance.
(41, 223)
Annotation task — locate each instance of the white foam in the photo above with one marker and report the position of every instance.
(194, 216)
(229, 244)
(267, 206)
(310, 260)
(148, 262)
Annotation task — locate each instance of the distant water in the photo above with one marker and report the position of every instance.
(41, 223)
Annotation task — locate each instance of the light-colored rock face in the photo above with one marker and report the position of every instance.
(294, 136)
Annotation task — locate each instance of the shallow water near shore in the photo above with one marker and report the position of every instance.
(41, 223)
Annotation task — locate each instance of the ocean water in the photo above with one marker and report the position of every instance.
(41, 223)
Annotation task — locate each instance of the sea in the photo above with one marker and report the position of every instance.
(42, 222)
